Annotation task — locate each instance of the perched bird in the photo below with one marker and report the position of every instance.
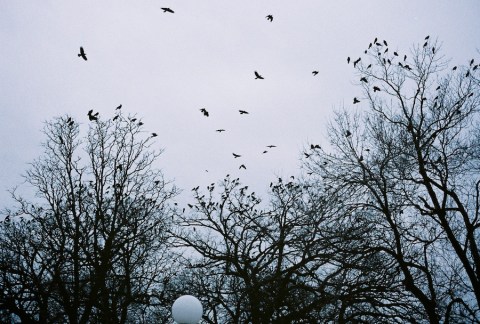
(433, 50)
(375, 89)
(243, 112)
(269, 17)
(258, 76)
(91, 116)
(348, 60)
(154, 135)
(360, 159)
(424, 45)
(133, 120)
(395, 53)
(357, 61)
(438, 88)
(426, 38)
(468, 74)
(271, 146)
(220, 130)
(405, 57)
(116, 117)
(385, 42)
(82, 54)
(471, 62)
(314, 72)
(454, 68)
(355, 100)
(119, 107)
(140, 123)
(347, 133)
(204, 111)
(475, 67)
(369, 66)
(242, 167)
(375, 40)
(364, 79)
(168, 10)
(236, 155)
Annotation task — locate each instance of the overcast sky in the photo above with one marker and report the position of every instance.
(165, 67)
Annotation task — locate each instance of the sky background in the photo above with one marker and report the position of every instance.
(165, 67)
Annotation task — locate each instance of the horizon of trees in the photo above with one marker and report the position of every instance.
(383, 226)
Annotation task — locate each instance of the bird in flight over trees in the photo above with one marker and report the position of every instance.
(269, 17)
(314, 72)
(236, 155)
(271, 146)
(355, 100)
(426, 38)
(220, 130)
(258, 76)
(242, 167)
(82, 54)
(168, 10)
(243, 112)
(204, 111)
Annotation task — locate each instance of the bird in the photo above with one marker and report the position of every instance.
(168, 10)
(360, 159)
(154, 135)
(236, 155)
(140, 123)
(347, 133)
(220, 130)
(454, 68)
(375, 40)
(119, 107)
(424, 45)
(82, 54)
(468, 74)
(348, 60)
(355, 100)
(385, 51)
(395, 53)
(438, 88)
(426, 38)
(375, 89)
(204, 111)
(243, 112)
(91, 116)
(364, 79)
(133, 120)
(405, 57)
(314, 72)
(385, 42)
(475, 67)
(258, 76)
(471, 62)
(369, 66)
(116, 117)
(242, 167)
(264, 152)
(271, 146)
(306, 155)
(357, 61)
(369, 45)
(433, 50)
(269, 17)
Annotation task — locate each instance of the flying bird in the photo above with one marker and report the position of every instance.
(242, 167)
(220, 130)
(369, 66)
(82, 54)
(471, 62)
(314, 72)
(375, 89)
(271, 146)
(355, 100)
(424, 45)
(405, 57)
(236, 155)
(168, 10)
(269, 17)
(243, 112)
(258, 76)
(204, 111)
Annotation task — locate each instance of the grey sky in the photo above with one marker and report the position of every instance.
(165, 67)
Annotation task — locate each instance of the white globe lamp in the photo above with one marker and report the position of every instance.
(187, 309)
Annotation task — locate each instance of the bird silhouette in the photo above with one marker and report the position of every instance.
(433, 50)
(220, 130)
(258, 76)
(91, 116)
(168, 10)
(385, 42)
(405, 57)
(204, 111)
(438, 88)
(269, 17)
(140, 123)
(375, 40)
(306, 155)
(242, 167)
(236, 155)
(314, 72)
(369, 45)
(119, 107)
(385, 51)
(243, 112)
(369, 66)
(426, 38)
(468, 74)
(454, 68)
(375, 89)
(271, 146)
(355, 100)
(82, 54)
(395, 53)
(475, 67)
(154, 135)
(357, 61)
(347, 133)
(364, 79)
(348, 60)
(471, 62)
(116, 117)
(424, 45)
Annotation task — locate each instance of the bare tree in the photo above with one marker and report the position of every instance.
(409, 165)
(92, 246)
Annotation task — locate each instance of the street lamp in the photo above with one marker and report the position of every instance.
(187, 309)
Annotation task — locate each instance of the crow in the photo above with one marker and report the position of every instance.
(119, 107)
(395, 53)
(468, 74)
(375, 40)
(243, 112)
(475, 67)
(385, 51)
(433, 50)
(369, 66)
(385, 42)
(271, 146)
(348, 60)
(369, 45)
(167, 10)
(269, 17)
(140, 123)
(438, 88)
(424, 45)
(204, 111)
(258, 76)
(82, 54)
(375, 89)
(454, 68)
(360, 159)
(364, 79)
(357, 61)
(405, 57)
(236, 155)
(220, 130)
(347, 133)
(314, 72)
(426, 38)
(471, 62)
(242, 167)
(355, 100)
(133, 120)
(154, 135)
